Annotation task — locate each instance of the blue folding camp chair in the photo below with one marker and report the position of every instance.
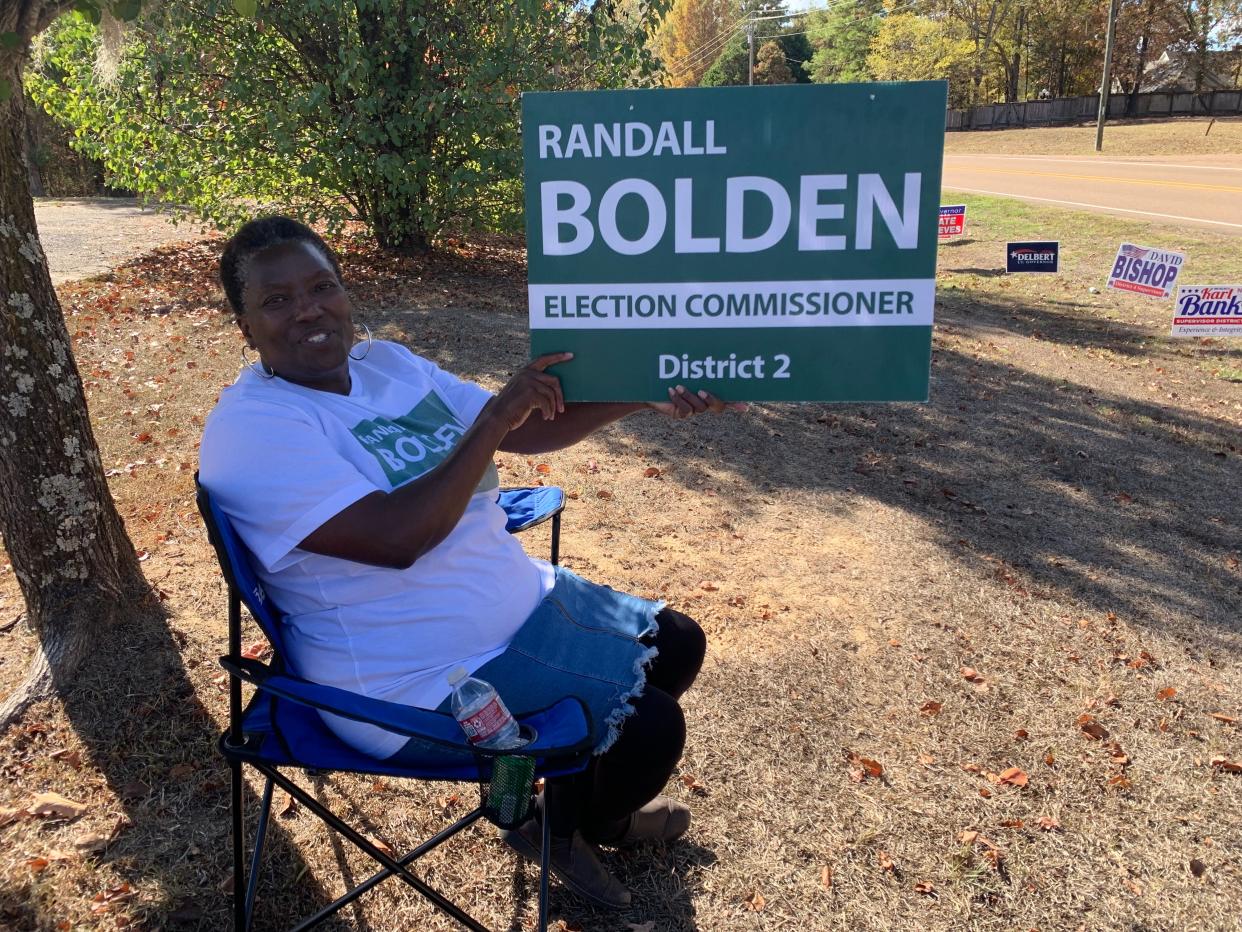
(280, 728)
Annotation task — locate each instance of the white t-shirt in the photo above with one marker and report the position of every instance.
(281, 459)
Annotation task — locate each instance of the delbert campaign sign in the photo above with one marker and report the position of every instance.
(767, 243)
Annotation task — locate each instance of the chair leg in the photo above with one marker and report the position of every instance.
(544, 861)
(256, 858)
(556, 538)
(240, 913)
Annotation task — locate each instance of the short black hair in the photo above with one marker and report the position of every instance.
(256, 236)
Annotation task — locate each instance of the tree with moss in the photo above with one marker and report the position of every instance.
(401, 114)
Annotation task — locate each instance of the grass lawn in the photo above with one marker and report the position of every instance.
(1181, 137)
(973, 664)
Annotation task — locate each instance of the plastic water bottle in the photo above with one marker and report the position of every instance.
(481, 713)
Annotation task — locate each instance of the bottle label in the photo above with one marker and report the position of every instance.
(484, 723)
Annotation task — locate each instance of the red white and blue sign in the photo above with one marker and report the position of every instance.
(952, 220)
(1208, 311)
(1145, 271)
(1032, 257)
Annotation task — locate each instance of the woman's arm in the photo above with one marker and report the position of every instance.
(396, 528)
(581, 419)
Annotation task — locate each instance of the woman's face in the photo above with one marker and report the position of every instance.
(298, 316)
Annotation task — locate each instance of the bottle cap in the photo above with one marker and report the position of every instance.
(456, 675)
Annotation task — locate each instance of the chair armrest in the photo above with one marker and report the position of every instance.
(527, 507)
(562, 729)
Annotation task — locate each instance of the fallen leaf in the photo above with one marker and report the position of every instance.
(1021, 734)
(1123, 498)
(931, 707)
(37, 865)
(1012, 823)
(1164, 695)
(1121, 782)
(885, 862)
(1012, 776)
(1092, 729)
(8, 815)
(290, 808)
(1048, 824)
(825, 878)
(1226, 766)
(543, 469)
(709, 587)
(56, 806)
(755, 902)
(651, 472)
(91, 843)
(603, 493)
(181, 771)
(1197, 867)
(925, 888)
(72, 758)
(258, 650)
(971, 675)
(926, 760)
(967, 837)
(693, 785)
(136, 789)
(870, 768)
(382, 845)
(1222, 717)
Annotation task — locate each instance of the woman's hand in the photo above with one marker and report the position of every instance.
(683, 403)
(532, 389)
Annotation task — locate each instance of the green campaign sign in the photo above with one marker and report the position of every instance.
(766, 243)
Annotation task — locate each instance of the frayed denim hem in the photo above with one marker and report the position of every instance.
(616, 718)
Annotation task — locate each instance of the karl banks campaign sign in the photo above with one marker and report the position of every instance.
(765, 244)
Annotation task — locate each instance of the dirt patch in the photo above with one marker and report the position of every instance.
(85, 236)
(904, 603)
(1186, 139)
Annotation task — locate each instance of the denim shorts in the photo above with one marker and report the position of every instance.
(581, 640)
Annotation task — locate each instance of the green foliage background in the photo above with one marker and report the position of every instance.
(403, 114)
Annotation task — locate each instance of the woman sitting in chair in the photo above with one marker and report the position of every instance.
(361, 478)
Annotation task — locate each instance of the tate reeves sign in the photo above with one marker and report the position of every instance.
(768, 243)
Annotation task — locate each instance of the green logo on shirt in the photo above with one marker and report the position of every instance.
(416, 442)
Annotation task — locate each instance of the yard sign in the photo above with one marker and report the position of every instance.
(767, 243)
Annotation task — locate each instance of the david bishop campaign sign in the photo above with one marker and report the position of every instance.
(766, 243)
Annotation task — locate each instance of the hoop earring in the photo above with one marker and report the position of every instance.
(368, 346)
(262, 372)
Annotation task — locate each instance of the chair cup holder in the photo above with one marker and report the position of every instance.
(508, 795)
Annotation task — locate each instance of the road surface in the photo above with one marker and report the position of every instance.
(85, 236)
(1203, 192)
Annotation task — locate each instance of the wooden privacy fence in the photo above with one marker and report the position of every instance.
(1085, 109)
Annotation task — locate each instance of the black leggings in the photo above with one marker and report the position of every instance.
(599, 800)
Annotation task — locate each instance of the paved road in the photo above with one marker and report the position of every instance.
(1203, 192)
(85, 236)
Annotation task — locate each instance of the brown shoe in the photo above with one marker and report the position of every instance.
(661, 820)
(574, 861)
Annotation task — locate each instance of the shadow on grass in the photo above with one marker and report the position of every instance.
(1122, 502)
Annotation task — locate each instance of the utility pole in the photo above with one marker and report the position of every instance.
(1108, 75)
(750, 41)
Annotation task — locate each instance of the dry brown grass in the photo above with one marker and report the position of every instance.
(1059, 520)
(1182, 137)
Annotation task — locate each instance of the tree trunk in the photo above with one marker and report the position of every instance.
(77, 569)
(32, 144)
(397, 231)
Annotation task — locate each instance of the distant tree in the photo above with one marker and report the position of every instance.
(732, 65)
(841, 37)
(1065, 47)
(770, 66)
(916, 48)
(690, 36)
(400, 113)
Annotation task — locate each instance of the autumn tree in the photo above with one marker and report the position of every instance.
(690, 36)
(76, 568)
(909, 47)
(770, 65)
